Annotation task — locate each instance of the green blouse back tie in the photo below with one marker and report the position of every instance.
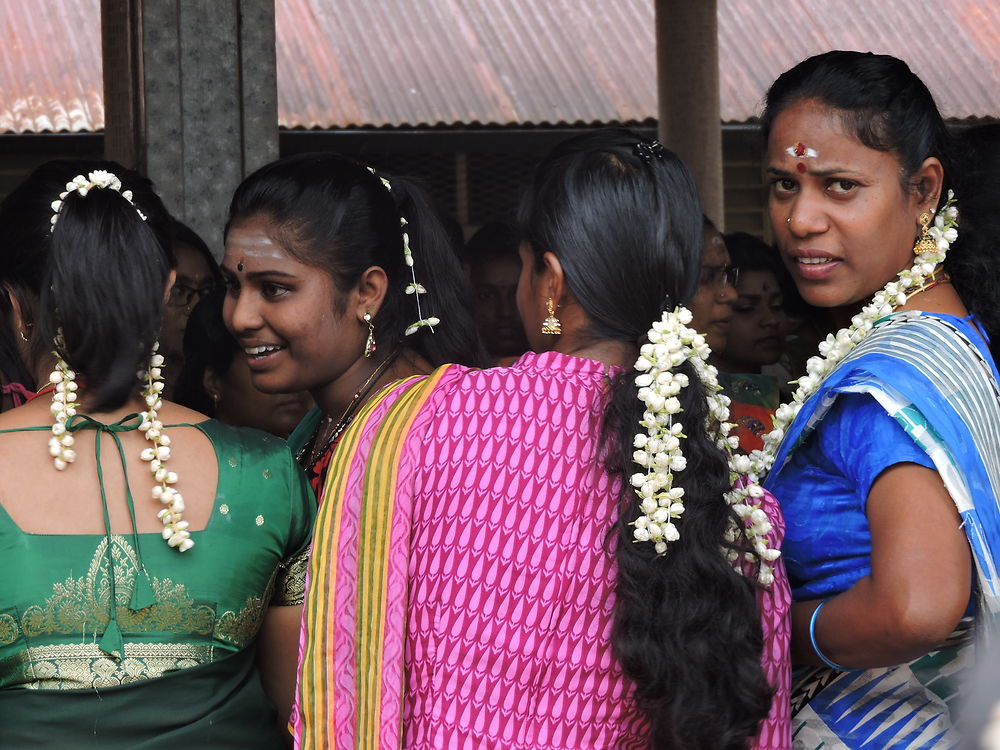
(142, 593)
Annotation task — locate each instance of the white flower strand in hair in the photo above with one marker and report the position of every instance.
(63, 407)
(64, 400)
(175, 528)
(99, 178)
(658, 449)
(909, 281)
(414, 287)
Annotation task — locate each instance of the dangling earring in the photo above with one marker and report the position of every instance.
(370, 341)
(23, 337)
(551, 325)
(925, 243)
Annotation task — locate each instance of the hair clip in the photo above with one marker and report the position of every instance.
(646, 150)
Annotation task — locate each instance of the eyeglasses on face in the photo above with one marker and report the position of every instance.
(717, 277)
(182, 295)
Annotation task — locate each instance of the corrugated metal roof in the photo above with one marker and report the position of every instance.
(953, 45)
(429, 62)
(50, 66)
(397, 63)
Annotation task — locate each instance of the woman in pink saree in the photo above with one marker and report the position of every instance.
(540, 556)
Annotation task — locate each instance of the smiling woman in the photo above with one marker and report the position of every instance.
(340, 280)
(890, 441)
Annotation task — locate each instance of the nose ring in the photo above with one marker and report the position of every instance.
(788, 220)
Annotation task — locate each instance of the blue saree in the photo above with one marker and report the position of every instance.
(934, 377)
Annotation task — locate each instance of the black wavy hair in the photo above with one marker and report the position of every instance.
(627, 230)
(974, 253)
(332, 212)
(97, 276)
(888, 108)
(185, 235)
(208, 345)
(11, 365)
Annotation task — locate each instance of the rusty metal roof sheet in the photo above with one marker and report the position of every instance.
(398, 63)
(406, 63)
(953, 45)
(50, 66)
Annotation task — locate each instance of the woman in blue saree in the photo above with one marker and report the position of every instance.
(887, 464)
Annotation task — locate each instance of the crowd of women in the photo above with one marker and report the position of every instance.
(576, 550)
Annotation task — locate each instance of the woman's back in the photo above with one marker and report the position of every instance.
(511, 600)
(249, 515)
(510, 569)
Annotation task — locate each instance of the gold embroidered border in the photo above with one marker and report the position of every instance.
(83, 604)
(77, 666)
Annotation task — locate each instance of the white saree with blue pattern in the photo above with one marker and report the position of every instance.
(934, 376)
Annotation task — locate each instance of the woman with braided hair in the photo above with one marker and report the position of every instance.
(552, 554)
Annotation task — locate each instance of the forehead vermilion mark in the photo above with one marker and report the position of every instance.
(799, 148)
(801, 167)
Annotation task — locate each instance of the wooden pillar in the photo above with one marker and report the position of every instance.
(191, 99)
(687, 63)
(124, 129)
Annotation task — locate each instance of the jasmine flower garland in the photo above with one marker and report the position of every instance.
(64, 401)
(909, 281)
(63, 407)
(414, 287)
(658, 448)
(99, 178)
(175, 528)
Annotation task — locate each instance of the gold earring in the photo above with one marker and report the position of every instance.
(370, 341)
(925, 243)
(551, 325)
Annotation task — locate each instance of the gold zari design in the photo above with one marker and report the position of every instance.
(8, 630)
(79, 607)
(82, 604)
(75, 666)
(290, 586)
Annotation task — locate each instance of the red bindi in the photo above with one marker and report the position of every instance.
(801, 167)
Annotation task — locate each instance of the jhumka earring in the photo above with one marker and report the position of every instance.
(370, 341)
(551, 325)
(925, 243)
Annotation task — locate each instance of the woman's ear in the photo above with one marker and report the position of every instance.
(212, 384)
(553, 283)
(171, 280)
(19, 313)
(371, 291)
(928, 181)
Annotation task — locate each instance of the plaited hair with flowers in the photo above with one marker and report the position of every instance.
(65, 392)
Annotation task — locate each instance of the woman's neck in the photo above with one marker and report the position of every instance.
(365, 377)
(606, 351)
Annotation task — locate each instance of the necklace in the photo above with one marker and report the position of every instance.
(328, 431)
(933, 282)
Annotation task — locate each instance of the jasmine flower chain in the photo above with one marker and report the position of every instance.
(658, 448)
